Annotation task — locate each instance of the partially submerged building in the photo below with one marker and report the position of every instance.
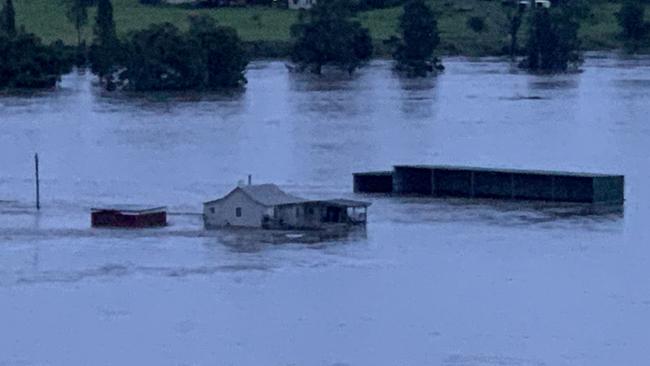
(317, 214)
(471, 182)
(267, 206)
(129, 216)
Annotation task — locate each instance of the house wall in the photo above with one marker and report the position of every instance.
(300, 215)
(225, 212)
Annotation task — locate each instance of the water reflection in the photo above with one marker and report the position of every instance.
(418, 97)
(256, 240)
(499, 213)
(554, 82)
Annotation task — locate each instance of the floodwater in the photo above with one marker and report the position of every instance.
(430, 282)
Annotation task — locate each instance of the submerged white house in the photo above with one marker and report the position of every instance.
(267, 206)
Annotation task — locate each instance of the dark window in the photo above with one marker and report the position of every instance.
(211, 209)
(311, 210)
(238, 212)
(297, 211)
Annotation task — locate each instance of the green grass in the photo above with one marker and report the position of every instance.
(47, 19)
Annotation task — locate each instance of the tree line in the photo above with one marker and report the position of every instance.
(25, 62)
(161, 57)
(209, 56)
(329, 34)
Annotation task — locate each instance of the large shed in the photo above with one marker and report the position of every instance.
(473, 182)
(267, 206)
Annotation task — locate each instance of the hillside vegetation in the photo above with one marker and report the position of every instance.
(269, 27)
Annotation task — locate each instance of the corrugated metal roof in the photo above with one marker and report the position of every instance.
(264, 194)
(132, 209)
(270, 195)
(516, 171)
(347, 203)
(340, 202)
(378, 173)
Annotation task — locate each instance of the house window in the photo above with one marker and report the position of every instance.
(211, 209)
(311, 210)
(238, 212)
(297, 211)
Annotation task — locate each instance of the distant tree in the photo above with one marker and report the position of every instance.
(8, 19)
(553, 44)
(26, 63)
(419, 39)
(77, 14)
(221, 52)
(328, 34)
(514, 14)
(631, 19)
(105, 50)
(162, 57)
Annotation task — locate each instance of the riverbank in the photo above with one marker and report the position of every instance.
(266, 31)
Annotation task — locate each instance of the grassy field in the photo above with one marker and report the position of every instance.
(47, 19)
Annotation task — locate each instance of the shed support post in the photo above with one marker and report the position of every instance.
(433, 182)
(38, 183)
(552, 188)
(471, 184)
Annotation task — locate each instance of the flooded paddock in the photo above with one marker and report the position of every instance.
(429, 282)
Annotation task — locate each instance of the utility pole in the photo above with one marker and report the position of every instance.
(38, 183)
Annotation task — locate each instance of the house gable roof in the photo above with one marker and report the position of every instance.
(265, 195)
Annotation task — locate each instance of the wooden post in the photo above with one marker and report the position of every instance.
(38, 183)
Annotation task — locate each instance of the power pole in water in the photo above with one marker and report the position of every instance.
(38, 183)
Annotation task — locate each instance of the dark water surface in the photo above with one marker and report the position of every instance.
(430, 282)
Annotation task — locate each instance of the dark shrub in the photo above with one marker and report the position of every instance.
(477, 24)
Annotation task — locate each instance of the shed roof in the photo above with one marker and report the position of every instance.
(499, 170)
(340, 202)
(265, 194)
(346, 203)
(130, 209)
(377, 173)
